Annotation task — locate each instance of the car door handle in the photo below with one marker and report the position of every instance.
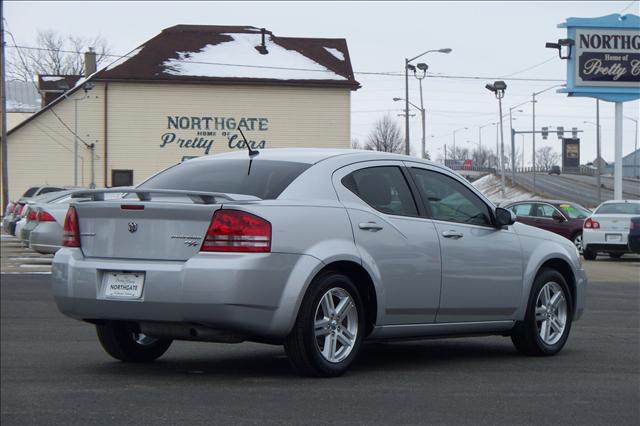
(452, 234)
(370, 226)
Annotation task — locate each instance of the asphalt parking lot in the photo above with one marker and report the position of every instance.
(54, 372)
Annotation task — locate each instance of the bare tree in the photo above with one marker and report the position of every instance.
(459, 153)
(55, 54)
(483, 157)
(386, 136)
(355, 144)
(545, 157)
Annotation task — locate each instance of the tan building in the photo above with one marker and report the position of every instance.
(185, 93)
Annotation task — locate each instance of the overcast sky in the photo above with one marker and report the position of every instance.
(489, 39)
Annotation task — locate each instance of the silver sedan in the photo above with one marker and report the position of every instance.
(314, 249)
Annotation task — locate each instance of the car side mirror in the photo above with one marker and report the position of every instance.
(504, 217)
(557, 216)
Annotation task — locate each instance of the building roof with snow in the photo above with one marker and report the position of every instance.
(214, 54)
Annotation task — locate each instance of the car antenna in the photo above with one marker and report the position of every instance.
(252, 152)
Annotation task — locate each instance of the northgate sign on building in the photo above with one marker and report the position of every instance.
(168, 101)
(219, 130)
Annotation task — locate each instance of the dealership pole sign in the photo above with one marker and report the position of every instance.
(604, 63)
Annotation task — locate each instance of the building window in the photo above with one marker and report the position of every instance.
(121, 178)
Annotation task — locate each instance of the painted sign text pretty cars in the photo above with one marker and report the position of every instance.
(607, 57)
(205, 131)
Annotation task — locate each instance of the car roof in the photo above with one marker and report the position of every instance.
(539, 200)
(307, 155)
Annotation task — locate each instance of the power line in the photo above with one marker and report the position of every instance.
(628, 6)
(531, 67)
(378, 73)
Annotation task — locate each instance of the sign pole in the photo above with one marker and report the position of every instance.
(599, 158)
(617, 172)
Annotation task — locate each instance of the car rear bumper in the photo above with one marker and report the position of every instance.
(252, 293)
(597, 240)
(46, 237)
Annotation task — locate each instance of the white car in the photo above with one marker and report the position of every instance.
(607, 229)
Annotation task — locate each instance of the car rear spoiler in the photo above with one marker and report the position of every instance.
(197, 197)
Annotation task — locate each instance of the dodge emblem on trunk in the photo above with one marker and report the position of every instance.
(133, 227)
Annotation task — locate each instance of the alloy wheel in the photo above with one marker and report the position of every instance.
(336, 325)
(551, 313)
(143, 339)
(577, 241)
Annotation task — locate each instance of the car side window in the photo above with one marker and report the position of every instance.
(384, 188)
(450, 200)
(544, 210)
(521, 209)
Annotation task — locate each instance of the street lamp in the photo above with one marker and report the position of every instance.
(533, 135)
(454, 143)
(513, 147)
(422, 113)
(406, 92)
(498, 88)
(480, 134)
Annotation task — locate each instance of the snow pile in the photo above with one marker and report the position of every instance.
(238, 58)
(335, 52)
(489, 185)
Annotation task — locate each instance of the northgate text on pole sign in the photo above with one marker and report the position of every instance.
(607, 57)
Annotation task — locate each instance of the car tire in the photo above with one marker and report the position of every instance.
(325, 342)
(547, 322)
(577, 241)
(124, 343)
(615, 255)
(589, 254)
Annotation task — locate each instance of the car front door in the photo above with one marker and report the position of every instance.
(481, 264)
(544, 218)
(394, 238)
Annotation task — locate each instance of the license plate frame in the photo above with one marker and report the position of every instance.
(613, 238)
(123, 285)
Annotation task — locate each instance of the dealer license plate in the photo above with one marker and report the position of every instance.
(123, 285)
(613, 237)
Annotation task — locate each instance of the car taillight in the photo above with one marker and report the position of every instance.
(45, 217)
(71, 235)
(19, 212)
(591, 224)
(237, 231)
(634, 225)
(32, 215)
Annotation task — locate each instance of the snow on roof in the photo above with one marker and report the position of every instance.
(279, 63)
(335, 52)
(227, 54)
(52, 77)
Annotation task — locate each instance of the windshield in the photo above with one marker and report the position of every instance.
(574, 211)
(266, 181)
(619, 208)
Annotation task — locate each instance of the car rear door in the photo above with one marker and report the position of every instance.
(544, 219)
(398, 243)
(524, 213)
(481, 264)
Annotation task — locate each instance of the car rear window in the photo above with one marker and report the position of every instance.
(619, 208)
(29, 192)
(266, 179)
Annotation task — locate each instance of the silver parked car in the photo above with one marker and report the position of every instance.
(314, 249)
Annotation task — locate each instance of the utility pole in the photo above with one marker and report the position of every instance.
(533, 139)
(406, 107)
(424, 123)
(3, 89)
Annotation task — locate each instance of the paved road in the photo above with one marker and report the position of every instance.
(17, 259)
(53, 372)
(580, 189)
